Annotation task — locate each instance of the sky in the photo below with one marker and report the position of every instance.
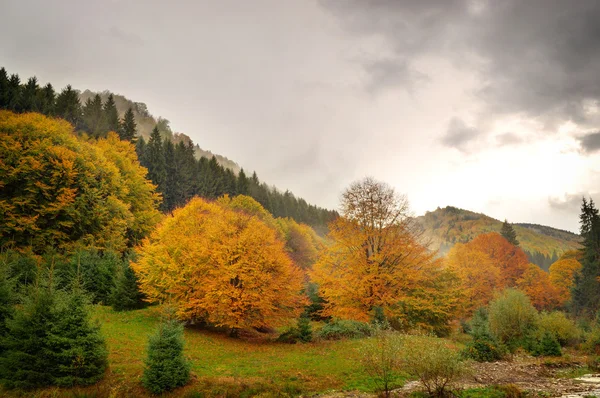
(486, 105)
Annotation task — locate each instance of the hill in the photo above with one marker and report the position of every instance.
(450, 225)
(146, 122)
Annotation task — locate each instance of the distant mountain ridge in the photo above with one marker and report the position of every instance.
(450, 225)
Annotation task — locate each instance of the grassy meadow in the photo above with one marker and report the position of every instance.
(221, 366)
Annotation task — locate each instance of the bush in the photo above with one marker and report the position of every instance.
(483, 349)
(592, 342)
(301, 332)
(561, 327)
(435, 364)
(165, 367)
(511, 318)
(340, 329)
(380, 358)
(547, 346)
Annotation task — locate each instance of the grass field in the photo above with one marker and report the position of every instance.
(221, 365)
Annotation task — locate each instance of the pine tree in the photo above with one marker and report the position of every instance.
(242, 183)
(48, 100)
(154, 160)
(171, 184)
(110, 116)
(508, 232)
(586, 292)
(166, 368)
(4, 84)
(128, 128)
(140, 150)
(14, 94)
(93, 117)
(127, 295)
(68, 107)
(80, 354)
(30, 96)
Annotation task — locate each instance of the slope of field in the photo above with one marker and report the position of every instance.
(450, 225)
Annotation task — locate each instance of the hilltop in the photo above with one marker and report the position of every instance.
(450, 225)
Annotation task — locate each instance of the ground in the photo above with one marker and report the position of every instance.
(226, 367)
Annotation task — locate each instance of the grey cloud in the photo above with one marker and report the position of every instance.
(388, 73)
(569, 202)
(459, 135)
(537, 58)
(508, 139)
(590, 143)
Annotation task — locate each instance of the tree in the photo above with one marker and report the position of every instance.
(381, 358)
(165, 367)
(221, 266)
(30, 96)
(535, 283)
(47, 98)
(508, 232)
(562, 277)
(154, 161)
(128, 130)
(68, 106)
(110, 115)
(511, 317)
(242, 183)
(59, 191)
(126, 294)
(375, 260)
(586, 292)
(93, 117)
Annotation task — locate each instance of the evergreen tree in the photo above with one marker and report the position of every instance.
(508, 232)
(140, 150)
(93, 117)
(154, 160)
(128, 128)
(30, 96)
(80, 354)
(185, 164)
(127, 295)
(242, 183)
(171, 177)
(4, 87)
(14, 94)
(110, 116)
(586, 292)
(166, 368)
(47, 98)
(68, 107)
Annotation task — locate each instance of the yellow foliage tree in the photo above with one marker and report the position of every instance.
(58, 191)
(562, 277)
(375, 260)
(221, 266)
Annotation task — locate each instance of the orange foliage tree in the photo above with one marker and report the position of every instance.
(221, 266)
(511, 260)
(562, 277)
(375, 260)
(478, 274)
(535, 283)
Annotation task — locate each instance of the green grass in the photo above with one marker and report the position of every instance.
(221, 365)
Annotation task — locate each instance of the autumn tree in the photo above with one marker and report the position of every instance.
(511, 260)
(375, 259)
(58, 191)
(536, 284)
(508, 232)
(220, 266)
(562, 277)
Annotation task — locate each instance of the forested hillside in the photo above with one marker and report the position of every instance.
(450, 225)
(179, 169)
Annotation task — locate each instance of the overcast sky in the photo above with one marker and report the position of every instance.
(486, 105)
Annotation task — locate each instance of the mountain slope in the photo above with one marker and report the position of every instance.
(450, 225)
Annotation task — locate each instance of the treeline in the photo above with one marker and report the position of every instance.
(173, 167)
(542, 260)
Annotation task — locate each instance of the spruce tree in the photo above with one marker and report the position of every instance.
(93, 117)
(110, 116)
(30, 96)
(68, 107)
(154, 160)
(48, 100)
(242, 183)
(508, 232)
(586, 292)
(171, 185)
(126, 294)
(165, 366)
(14, 94)
(80, 354)
(128, 128)
(3, 88)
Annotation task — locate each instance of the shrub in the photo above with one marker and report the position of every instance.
(435, 364)
(483, 349)
(165, 367)
(561, 327)
(380, 357)
(592, 342)
(511, 318)
(340, 329)
(301, 332)
(547, 346)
